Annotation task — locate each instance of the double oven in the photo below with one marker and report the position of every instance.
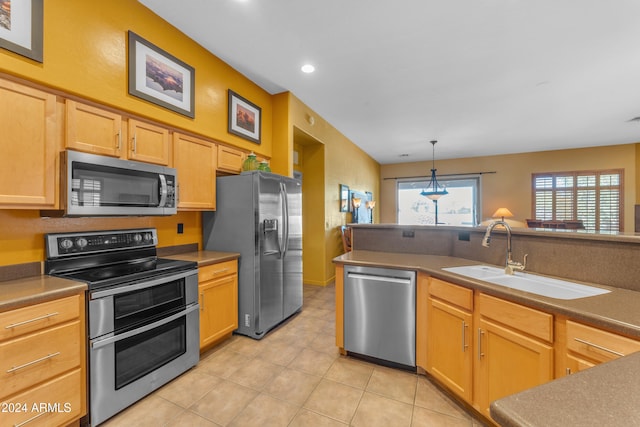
(142, 313)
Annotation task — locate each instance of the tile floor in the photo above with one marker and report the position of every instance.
(294, 377)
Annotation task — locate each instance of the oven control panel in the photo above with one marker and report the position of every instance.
(62, 244)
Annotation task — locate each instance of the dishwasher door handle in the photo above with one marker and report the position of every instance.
(385, 279)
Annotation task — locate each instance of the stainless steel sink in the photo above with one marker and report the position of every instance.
(532, 283)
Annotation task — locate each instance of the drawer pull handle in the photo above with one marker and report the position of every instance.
(599, 347)
(224, 270)
(42, 359)
(30, 419)
(46, 316)
(480, 353)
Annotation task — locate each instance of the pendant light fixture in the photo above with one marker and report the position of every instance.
(434, 190)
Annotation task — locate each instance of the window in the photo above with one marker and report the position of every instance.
(460, 207)
(594, 197)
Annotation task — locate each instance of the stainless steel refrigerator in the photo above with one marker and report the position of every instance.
(259, 215)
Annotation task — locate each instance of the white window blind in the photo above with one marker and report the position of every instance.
(594, 197)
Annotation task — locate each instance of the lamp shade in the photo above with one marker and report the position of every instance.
(503, 213)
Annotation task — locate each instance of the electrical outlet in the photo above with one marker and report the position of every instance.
(408, 233)
(180, 228)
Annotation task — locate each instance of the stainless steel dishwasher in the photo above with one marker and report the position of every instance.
(380, 313)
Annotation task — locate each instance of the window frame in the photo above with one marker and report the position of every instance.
(574, 188)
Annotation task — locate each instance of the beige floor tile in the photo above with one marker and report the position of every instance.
(427, 418)
(188, 388)
(324, 343)
(255, 374)
(245, 345)
(313, 362)
(393, 383)
(188, 418)
(280, 352)
(334, 400)
(224, 402)
(428, 396)
(351, 372)
(292, 386)
(265, 410)
(306, 418)
(149, 412)
(379, 411)
(223, 363)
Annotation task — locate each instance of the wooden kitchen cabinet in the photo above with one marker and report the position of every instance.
(148, 143)
(42, 362)
(94, 130)
(450, 339)
(29, 126)
(587, 346)
(514, 349)
(229, 159)
(195, 160)
(218, 289)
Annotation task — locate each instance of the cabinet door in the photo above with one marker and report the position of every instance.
(29, 147)
(148, 143)
(449, 350)
(218, 309)
(508, 362)
(93, 130)
(195, 160)
(229, 160)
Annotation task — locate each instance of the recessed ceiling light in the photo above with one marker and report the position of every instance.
(308, 68)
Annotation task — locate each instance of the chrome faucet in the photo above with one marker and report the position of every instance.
(510, 265)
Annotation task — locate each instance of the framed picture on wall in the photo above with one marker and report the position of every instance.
(245, 118)
(159, 77)
(21, 27)
(344, 198)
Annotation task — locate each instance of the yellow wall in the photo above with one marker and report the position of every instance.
(510, 186)
(328, 159)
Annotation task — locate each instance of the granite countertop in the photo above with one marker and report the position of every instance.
(205, 257)
(616, 310)
(33, 290)
(605, 395)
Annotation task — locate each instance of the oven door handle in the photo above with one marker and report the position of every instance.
(142, 285)
(115, 338)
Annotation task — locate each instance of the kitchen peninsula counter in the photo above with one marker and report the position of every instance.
(36, 289)
(616, 310)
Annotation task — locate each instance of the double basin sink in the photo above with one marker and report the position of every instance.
(532, 283)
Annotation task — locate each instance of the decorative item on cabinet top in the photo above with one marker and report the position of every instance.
(159, 77)
(245, 118)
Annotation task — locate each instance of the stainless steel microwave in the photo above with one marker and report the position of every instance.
(94, 185)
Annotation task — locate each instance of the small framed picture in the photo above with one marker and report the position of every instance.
(244, 118)
(344, 198)
(159, 77)
(21, 27)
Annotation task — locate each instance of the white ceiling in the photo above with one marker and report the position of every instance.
(482, 77)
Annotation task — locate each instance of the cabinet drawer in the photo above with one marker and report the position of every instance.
(230, 160)
(28, 319)
(533, 322)
(30, 359)
(54, 403)
(454, 294)
(209, 272)
(596, 344)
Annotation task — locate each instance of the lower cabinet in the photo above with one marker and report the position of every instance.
(514, 349)
(218, 289)
(587, 346)
(43, 363)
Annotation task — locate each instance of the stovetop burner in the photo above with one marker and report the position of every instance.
(108, 258)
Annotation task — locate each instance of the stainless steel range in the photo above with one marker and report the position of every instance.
(142, 313)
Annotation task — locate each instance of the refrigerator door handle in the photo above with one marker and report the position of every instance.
(285, 218)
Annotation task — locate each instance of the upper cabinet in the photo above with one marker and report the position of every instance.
(148, 143)
(101, 131)
(29, 147)
(229, 159)
(195, 161)
(93, 130)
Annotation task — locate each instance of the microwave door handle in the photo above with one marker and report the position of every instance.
(163, 190)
